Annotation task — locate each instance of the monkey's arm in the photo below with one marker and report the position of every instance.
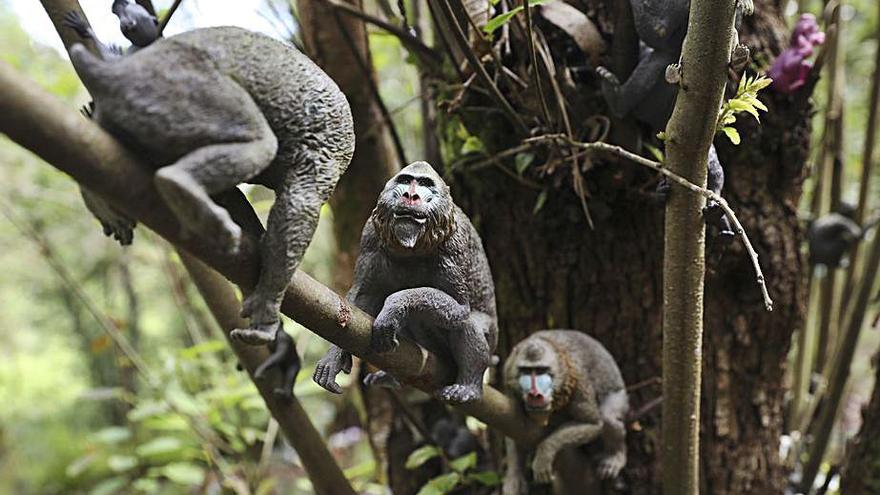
(74, 21)
(622, 98)
(425, 306)
(568, 435)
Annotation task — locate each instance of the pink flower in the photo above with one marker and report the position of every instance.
(790, 69)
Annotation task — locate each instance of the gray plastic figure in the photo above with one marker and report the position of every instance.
(422, 273)
(569, 381)
(212, 108)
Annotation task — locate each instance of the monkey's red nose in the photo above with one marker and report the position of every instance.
(411, 197)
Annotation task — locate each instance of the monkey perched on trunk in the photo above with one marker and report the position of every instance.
(212, 108)
(422, 273)
(567, 380)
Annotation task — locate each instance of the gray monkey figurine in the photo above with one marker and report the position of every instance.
(567, 380)
(648, 94)
(422, 273)
(212, 108)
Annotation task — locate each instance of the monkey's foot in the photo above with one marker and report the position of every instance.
(381, 379)
(610, 465)
(739, 58)
(328, 367)
(258, 334)
(459, 394)
(74, 21)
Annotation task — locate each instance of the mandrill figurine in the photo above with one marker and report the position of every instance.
(567, 380)
(212, 108)
(422, 274)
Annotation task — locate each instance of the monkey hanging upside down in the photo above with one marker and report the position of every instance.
(422, 273)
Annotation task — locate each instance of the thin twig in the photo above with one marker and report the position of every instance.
(478, 68)
(659, 167)
(427, 54)
(530, 38)
(374, 89)
(168, 15)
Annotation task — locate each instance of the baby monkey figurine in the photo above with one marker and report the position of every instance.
(422, 273)
(567, 380)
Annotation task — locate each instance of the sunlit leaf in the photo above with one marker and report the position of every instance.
(485, 478)
(421, 455)
(731, 134)
(119, 463)
(184, 473)
(463, 463)
(522, 161)
(441, 484)
(112, 434)
(159, 446)
(539, 203)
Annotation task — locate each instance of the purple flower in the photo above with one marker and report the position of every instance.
(790, 69)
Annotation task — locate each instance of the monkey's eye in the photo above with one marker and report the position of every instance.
(404, 179)
(425, 181)
(544, 382)
(525, 382)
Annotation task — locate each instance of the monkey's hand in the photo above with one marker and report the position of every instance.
(611, 464)
(542, 464)
(114, 223)
(382, 379)
(328, 367)
(74, 21)
(258, 333)
(739, 57)
(386, 327)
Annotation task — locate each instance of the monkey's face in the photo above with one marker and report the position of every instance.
(536, 389)
(414, 211)
(136, 24)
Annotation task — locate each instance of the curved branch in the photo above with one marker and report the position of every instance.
(39, 122)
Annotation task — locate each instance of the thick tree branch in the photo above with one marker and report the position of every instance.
(326, 476)
(58, 134)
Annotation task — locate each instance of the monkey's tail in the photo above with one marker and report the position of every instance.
(92, 70)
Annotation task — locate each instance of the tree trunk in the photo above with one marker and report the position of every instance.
(861, 475)
(338, 44)
(552, 271)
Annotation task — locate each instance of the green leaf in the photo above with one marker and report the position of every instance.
(500, 20)
(184, 473)
(472, 145)
(440, 485)
(523, 160)
(539, 203)
(146, 485)
(207, 347)
(109, 486)
(485, 478)
(112, 435)
(464, 462)
(661, 135)
(421, 455)
(731, 134)
(159, 446)
(655, 152)
(80, 465)
(119, 463)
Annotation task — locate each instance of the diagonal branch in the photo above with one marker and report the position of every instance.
(39, 122)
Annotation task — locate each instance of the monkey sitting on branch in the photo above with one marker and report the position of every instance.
(198, 109)
(568, 381)
(422, 274)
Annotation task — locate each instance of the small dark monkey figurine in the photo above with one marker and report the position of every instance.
(422, 273)
(648, 93)
(567, 380)
(832, 236)
(136, 23)
(212, 108)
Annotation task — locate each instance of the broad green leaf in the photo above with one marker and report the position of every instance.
(440, 485)
(80, 465)
(109, 486)
(111, 435)
(184, 473)
(421, 455)
(500, 20)
(119, 463)
(523, 160)
(159, 446)
(731, 134)
(485, 478)
(464, 462)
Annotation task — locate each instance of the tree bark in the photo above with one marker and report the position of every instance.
(338, 44)
(552, 271)
(861, 474)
